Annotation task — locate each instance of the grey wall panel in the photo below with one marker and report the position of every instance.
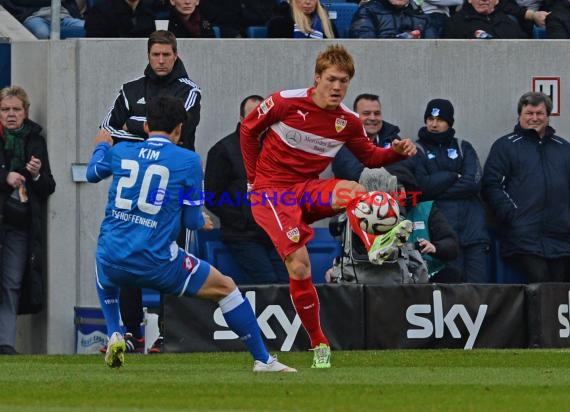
(73, 82)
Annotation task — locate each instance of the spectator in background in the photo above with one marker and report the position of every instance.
(390, 19)
(226, 14)
(437, 11)
(35, 15)
(26, 183)
(120, 18)
(309, 20)
(256, 12)
(225, 178)
(526, 184)
(281, 23)
(527, 12)
(558, 22)
(186, 21)
(448, 171)
(345, 165)
(165, 74)
(483, 19)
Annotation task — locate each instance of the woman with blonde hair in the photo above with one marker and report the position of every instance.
(311, 20)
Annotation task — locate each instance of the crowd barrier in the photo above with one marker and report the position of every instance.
(466, 316)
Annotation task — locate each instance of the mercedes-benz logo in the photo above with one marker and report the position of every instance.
(293, 137)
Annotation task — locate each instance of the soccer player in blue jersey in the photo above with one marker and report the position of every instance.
(155, 184)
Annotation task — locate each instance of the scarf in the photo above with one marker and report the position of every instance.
(14, 146)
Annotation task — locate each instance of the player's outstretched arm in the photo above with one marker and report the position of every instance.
(99, 166)
(404, 147)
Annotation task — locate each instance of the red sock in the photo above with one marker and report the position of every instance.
(306, 302)
(366, 238)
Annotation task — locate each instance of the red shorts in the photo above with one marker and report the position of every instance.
(286, 212)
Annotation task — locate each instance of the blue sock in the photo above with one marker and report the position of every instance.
(109, 300)
(241, 319)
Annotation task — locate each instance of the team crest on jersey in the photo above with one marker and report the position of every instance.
(294, 235)
(340, 124)
(265, 106)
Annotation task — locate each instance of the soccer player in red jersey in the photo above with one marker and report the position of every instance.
(304, 129)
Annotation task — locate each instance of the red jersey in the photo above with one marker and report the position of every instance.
(302, 139)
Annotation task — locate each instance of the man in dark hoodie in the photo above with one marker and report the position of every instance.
(345, 165)
(164, 75)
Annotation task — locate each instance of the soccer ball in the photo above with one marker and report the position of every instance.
(377, 213)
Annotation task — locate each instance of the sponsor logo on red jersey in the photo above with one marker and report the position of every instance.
(265, 106)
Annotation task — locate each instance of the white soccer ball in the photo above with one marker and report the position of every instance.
(377, 213)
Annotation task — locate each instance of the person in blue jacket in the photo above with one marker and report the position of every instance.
(448, 172)
(155, 188)
(526, 183)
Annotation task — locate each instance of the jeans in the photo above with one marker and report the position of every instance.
(40, 27)
(259, 261)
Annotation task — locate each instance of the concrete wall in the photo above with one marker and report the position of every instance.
(72, 83)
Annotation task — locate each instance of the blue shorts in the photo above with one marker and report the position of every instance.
(183, 276)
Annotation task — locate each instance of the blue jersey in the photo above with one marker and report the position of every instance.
(153, 182)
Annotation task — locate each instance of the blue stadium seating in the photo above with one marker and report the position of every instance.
(497, 267)
(256, 32)
(538, 32)
(151, 298)
(322, 250)
(341, 15)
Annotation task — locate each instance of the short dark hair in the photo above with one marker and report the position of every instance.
(534, 99)
(162, 37)
(164, 113)
(255, 97)
(365, 96)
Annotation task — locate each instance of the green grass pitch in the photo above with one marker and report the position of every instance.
(411, 380)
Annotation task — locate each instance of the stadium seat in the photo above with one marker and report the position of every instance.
(538, 32)
(256, 32)
(341, 15)
(323, 248)
(150, 298)
(91, 3)
(498, 270)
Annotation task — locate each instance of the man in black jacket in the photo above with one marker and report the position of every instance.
(526, 185)
(483, 19)
(226, 182)
(121, 18)
(164, 75)
(345, 165)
